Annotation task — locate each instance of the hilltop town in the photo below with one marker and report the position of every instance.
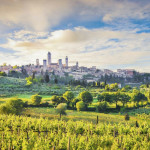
(91, 74)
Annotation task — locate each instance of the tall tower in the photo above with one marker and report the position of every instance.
(60, 63)
(37, 62)
(49, 58)
(44, 65)
(77, 64)
(66, 61)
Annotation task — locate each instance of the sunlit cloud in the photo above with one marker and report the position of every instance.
(31, 28)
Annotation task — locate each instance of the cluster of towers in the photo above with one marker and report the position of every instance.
(48, 62)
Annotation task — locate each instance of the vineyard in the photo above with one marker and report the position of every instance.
(30, 133)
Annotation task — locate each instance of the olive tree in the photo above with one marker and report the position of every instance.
(80, 106)
(61, 109)
(86, 97)
(36, 99)
(13, 106)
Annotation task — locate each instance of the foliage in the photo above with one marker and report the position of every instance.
(80, 106)
(36, 99)
(125, 98)
(61, 109)
(101, 106)
(127, 117)
(113, 87)
(15, 67)
(104, 97)
(47, 78)
(137, 97)
(30, 133)
(57, 100)
(74, 101)
(2, 73)
(13, 106)
(86, 97)
(68, 96)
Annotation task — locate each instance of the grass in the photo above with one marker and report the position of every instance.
(25, 97)
(82, 115)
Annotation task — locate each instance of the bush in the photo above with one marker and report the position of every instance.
(13, 106)
(55, 100)
(123, 109)
(127, 117)
(80, 106)
(102, 106)
(3, 109)
(86, 97)
(61, 109)
(36, 99)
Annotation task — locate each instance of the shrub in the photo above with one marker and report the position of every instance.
(80, 106)
(3, 109)
(86, 97)
(61, 109)
(102, 106)
(127, 117)
(13, 106)
(74, 102)
(55, 99)
(36, 99)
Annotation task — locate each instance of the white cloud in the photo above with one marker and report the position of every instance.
(100, 47)
(41, 15)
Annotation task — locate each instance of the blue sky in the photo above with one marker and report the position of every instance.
(104, 33)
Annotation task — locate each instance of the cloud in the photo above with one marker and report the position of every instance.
(42, 15)
(102, 47)
(33, 14)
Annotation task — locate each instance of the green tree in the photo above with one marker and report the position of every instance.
(123, 90)
(3, 73)
(61, 109)
(36, 99)
(13, 106)
(104, 97)
(74, 101)
(125, 98)
(80, 106)
(102, 84)
(107, 87)
(86, 97)
(127, 117)
(47, 78)
(55, 99)
(94, 84)
(137, 97)
(116, 97)
(56, 81)
(4, 64)
(68, 96)
(114, 87)
(15, 67)
(98, 83)
(101, 106)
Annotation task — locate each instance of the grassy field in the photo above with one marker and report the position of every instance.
(86, 115)
(17, 88)
(26, 97)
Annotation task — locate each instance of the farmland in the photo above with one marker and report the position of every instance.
(101, 123)
(30, 133)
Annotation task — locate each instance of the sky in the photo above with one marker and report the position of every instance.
(110, 34)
